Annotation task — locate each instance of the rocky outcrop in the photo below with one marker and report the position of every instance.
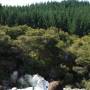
(55, 85)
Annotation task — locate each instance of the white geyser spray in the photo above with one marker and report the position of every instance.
(30, 82)
(14, 77)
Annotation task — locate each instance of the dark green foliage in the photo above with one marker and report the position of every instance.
(71, 16)
(52, 53)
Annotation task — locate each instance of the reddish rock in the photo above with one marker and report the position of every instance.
(55, 85)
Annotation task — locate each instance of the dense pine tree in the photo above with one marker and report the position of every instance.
(72, 16)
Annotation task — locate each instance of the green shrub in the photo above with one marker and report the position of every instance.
(87, 85)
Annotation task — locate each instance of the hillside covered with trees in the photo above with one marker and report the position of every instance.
(71, 15)
(52, 39)
(49, 52)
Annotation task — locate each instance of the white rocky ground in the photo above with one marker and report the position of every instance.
(38, 88)
(73, 89)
